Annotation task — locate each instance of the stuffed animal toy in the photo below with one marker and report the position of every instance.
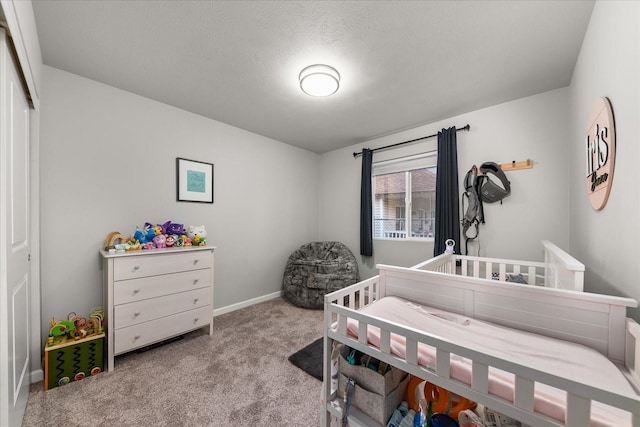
(134, 246)
(174, 228)
(160, 241)
(149, 232)
(197, 234)
(170, 240)
(165, 226)
(140, 236)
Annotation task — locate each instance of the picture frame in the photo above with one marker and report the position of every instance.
(194, 181)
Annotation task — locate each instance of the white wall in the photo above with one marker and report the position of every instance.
(530, 128)
(108, 164)
(607, 241)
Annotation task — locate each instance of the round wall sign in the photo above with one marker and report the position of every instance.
(600, 147)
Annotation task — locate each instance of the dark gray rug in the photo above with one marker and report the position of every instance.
(309, 359)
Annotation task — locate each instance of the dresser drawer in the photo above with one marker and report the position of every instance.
(133, 267)
(150, 309)
(126, 291)
(137, 336)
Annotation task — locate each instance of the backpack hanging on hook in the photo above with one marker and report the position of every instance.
(479, 188)
(491, 192)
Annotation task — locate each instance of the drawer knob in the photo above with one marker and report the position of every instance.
(135, 291)
(137, 337)
(195, 301)
(195, 261)
(136, 267)
(136, 314)
(195, 320)
(195, 282)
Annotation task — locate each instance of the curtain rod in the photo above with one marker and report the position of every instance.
(386, 147)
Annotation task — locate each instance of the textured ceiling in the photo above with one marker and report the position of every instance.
(402, 64)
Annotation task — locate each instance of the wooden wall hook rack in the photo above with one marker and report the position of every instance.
(513, 165)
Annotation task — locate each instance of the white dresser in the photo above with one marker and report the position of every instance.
(152, 295)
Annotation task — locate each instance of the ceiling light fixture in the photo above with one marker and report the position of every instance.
(319, 80)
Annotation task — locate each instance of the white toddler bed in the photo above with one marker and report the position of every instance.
(559, 269)
(571, 358)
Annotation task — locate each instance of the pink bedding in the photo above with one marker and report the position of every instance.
(565, 359)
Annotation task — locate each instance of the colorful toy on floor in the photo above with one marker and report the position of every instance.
(441, 401)
(75, 327)
(468, 418)
(74, 348)
(73, 360)
(59, 328)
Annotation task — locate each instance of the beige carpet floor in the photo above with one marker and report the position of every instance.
(240, 376)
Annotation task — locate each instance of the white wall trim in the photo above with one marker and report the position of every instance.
(36, 376)
(243, 304)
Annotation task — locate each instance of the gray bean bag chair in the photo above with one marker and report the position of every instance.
(316, 269)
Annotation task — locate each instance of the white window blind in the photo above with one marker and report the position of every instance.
(403, 164)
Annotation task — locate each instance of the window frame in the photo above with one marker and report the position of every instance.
(406, 165)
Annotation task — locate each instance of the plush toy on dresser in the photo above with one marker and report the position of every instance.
(167, 235)
(198, 235)
(160, 241)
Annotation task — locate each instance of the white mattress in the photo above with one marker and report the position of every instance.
(561, 358)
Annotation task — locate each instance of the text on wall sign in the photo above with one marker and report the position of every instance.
(600, 143)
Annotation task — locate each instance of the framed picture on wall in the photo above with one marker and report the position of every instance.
(194, 181)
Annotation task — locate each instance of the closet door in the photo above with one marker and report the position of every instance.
(15, 242)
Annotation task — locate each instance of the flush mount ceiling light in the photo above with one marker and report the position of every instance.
(319, 80)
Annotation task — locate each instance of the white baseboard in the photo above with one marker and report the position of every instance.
(36, 376)
(243, 304)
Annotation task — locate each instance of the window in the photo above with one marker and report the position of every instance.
(404, 196)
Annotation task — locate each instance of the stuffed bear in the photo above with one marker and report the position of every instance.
(197, 234)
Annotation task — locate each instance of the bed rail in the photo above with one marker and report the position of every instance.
(355, 297)
(579, 395)
(594, 320)
(632, 356)
(559, 270)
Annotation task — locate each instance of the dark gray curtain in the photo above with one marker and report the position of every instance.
(447, 213)
(366, 205)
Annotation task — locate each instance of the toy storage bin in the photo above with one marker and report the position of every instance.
(375, 394)
(73, 360)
